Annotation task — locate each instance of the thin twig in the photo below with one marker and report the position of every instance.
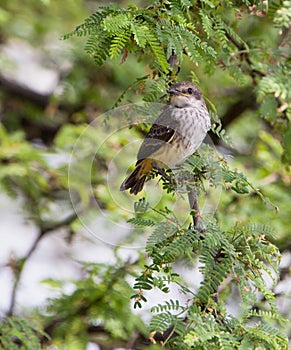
(18, 273)
(193, 202)
(244, 56)
(20, 264)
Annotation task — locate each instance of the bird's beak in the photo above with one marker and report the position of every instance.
(174, 92)
(177, 92)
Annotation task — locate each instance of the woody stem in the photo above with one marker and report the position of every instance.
(193, 202)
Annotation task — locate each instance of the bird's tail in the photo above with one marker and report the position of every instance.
(135, 181)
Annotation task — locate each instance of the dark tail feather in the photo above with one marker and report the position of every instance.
(134, 181)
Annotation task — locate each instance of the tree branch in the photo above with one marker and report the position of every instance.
(193, 202)
(18, 267)
(21, 91)
(244, 56)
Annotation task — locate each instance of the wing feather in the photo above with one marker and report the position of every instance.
(156, 138)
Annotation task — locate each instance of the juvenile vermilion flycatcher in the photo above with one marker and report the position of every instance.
(175, 135)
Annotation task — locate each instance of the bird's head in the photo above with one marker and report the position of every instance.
(185, 94)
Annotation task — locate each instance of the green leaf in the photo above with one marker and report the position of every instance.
(118, 43)
(157, 49)
(114, 24)
(268, 108)
(287, 145)
(139, 33)
(141, 222)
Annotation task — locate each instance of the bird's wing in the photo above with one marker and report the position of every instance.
(156, 138)
(162, 132)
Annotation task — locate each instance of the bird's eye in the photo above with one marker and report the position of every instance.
(190, 91)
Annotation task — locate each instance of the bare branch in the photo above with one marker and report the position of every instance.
(20, 264)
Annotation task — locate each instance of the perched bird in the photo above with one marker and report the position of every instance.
(175, 135)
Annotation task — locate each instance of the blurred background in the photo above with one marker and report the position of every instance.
(48, 87)
(50, 90)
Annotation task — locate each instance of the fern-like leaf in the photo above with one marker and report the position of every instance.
(171, 305)
(97, 46)
(139, 30)
(118, 43)
(158, 51)
(116, 23)
(141, 222)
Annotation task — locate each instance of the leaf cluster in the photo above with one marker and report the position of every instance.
(167, 33)
(99, 300)
(16, 332)
(237, 258)
(232, 260)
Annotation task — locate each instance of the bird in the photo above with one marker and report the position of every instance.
(174, 136)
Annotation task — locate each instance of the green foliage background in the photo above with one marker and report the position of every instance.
(239, 54)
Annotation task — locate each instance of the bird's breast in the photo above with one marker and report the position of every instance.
(190, 126)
